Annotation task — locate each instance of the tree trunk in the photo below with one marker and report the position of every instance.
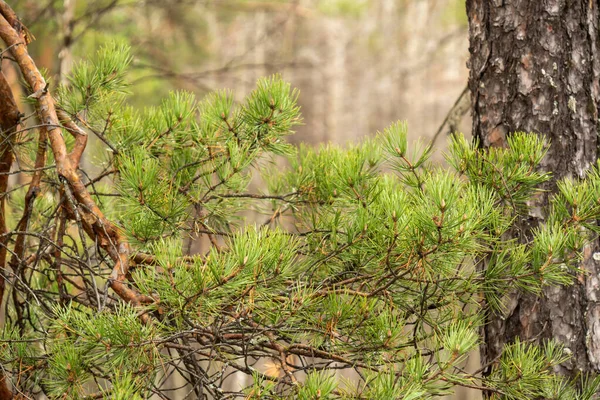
(535, 67)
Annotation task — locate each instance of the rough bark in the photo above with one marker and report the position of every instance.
(535, 67)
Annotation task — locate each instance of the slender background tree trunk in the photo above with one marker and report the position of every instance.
(535, 67)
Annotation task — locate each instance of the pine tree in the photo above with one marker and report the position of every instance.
(544, 81)
(367, 258)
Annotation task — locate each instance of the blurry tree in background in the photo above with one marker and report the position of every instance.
(345, 56)
(535, 67)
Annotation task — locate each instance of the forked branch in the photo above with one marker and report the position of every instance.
(96, 225)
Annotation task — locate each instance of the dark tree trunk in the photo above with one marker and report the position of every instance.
(535, 67)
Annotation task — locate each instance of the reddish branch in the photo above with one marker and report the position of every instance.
(16, 37)
(32, 193)
(79, 135)
(9, 119)
(100, 229)
(13, 20)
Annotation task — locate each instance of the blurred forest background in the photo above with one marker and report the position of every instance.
(359, 64)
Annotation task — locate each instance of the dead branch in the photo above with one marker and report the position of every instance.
(96, 225)
(9, 119)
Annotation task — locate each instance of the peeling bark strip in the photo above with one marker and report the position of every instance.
(95, 224)
(535, 67)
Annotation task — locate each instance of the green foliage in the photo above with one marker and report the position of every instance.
(364, 258)
(96, 82)
(528, 368)
(318, 385)
(106, 341)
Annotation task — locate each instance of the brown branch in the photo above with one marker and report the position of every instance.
(13, 20)
(100, 229)
(32, 193)
(9, 119)
(79, 134)
(452, 119)
(62, 222)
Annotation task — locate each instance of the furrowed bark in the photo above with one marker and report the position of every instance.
(535, 67)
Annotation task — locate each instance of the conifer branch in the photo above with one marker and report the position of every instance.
(97, 226)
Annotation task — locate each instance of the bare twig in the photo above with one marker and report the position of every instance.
(96, 225)
(461, 106)
(9, 118)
